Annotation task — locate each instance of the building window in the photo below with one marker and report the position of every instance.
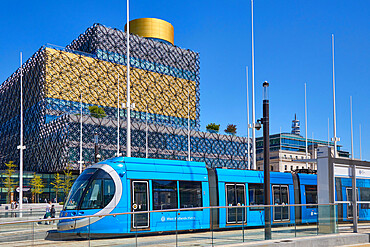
(296, 167)
(286, 167)
(190, 194)
(259, 168)
(291, 168)
(164, 194)
(272, 168)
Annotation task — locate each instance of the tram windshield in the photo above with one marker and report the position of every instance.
(78, 188)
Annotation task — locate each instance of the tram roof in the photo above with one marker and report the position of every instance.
(142, 168)
(307, 179)
(252, 176)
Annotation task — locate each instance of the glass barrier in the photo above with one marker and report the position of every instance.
(345, 216)
(207, 226)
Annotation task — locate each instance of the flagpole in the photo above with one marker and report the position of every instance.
(146, 132)
(253, 100)
(128, 106)
(305, 121)
(80, 162)
(118, 119)
(353, 154)
(328, 132)
(249, 158)
(189, 125)
(360, 144)
(334, 113)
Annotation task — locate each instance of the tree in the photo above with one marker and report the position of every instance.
(96, 111)
(231, 129)
(68, 180)
(9, 182)
(213, 128)
(57, 184)
(37, 186)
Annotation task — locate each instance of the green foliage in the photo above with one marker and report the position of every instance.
(9, 183)
(57, 184)
(68, 180)
(37, 187)
(96, 111)
(212, 127)
(231, 129)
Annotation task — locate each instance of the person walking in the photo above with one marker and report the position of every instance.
(47, 212)
(52, 212)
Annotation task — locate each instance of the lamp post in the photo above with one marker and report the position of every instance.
(80, 162)
(21, 146)
(96, 142)
(266, 159)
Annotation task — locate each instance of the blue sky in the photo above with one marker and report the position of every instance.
(292, 46)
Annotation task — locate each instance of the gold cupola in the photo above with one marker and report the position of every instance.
(152, 28)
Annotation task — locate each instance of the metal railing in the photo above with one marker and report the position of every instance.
(171, 210)
(242, 230)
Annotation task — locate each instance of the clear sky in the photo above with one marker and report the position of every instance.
(292, 46)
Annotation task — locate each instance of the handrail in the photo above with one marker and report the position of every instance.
(161, 211)
(349, 202)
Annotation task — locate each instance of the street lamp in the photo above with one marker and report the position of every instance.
(266, 157)
(96, 142)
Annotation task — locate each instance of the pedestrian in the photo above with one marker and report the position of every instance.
(52, 212)
(47, 212)
(12, 206)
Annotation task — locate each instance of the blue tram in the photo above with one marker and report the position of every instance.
(344, 193)
(245, 187)
(125, 184)
(134, 184)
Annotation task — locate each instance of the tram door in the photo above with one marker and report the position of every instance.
(235, 196)
(280, 196)
(140, 202)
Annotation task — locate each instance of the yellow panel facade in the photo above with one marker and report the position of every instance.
(68, 74)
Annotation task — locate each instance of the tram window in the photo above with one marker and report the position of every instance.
(256, 196)
(365, 196)
(78, 188)
(190, 194)
(164, 194)
(99, 193)
(349, 206)
(109, 190)
(94, 196)
(311, 195)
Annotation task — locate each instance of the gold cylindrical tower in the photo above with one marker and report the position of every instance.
(152, 28)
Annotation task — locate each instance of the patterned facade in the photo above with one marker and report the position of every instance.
(91, 71)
